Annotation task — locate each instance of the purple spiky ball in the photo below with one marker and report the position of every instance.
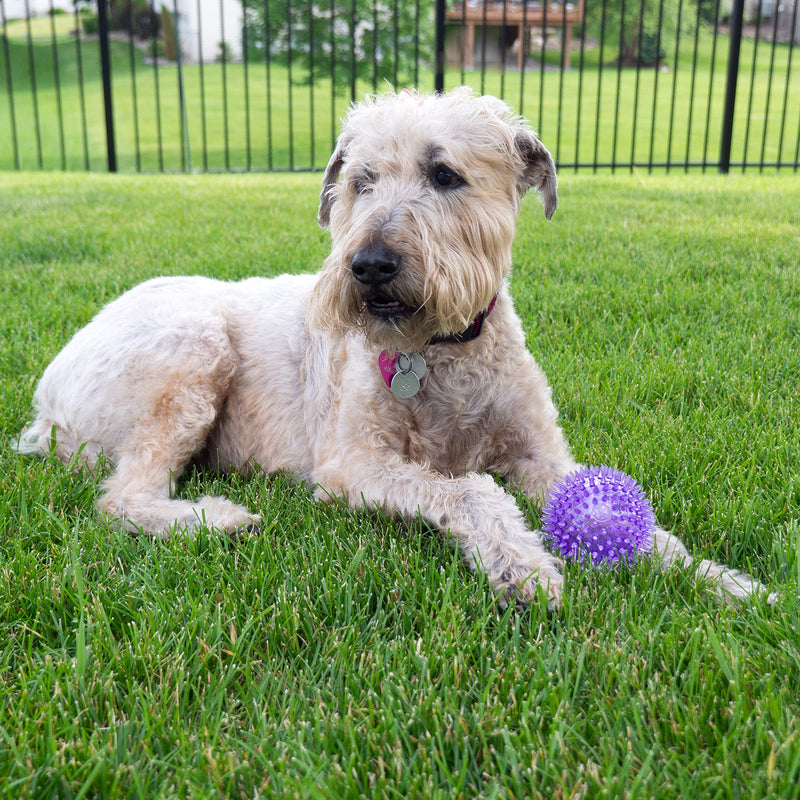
(599, 513)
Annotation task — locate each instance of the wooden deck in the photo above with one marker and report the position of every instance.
(509, 14)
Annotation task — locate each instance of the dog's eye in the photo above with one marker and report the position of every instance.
(446, 178)
(363, 182)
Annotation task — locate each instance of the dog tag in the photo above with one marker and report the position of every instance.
(413, 362)
(418, 365)
(404, 385)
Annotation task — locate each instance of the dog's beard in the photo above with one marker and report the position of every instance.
(399, 325)
(407, 312)
(389, 321)
(385, 318)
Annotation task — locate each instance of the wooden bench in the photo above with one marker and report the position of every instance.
(507, 14)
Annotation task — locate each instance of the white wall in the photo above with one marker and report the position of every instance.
(15, 9)
(201, 30)
(786, 8)
(201, 23)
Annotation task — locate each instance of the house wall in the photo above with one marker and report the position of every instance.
(785, 32)
(15, 9)
(785, 11)
(204, 24)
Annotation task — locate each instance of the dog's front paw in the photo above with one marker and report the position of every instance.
(520, 587)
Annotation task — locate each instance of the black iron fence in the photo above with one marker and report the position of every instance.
(226, 85)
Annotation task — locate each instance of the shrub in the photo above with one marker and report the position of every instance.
(371, 41)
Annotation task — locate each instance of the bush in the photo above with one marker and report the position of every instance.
(370, 40)
(643, 31)
(90, 22)
(136, 17)
(168, 35)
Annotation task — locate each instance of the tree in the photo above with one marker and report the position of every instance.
(643, 30)
(348, 40)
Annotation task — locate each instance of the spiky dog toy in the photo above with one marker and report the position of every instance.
(601, 514)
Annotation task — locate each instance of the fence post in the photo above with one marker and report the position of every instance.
(737, 17)
(105, 67)
(439, 56)
(186, 153)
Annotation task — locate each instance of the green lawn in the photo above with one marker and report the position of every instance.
(246, 118)
(338, 655)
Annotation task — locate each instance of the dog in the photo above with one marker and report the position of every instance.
(396, 377)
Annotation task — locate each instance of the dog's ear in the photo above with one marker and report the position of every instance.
(538, 169)
(329, 182)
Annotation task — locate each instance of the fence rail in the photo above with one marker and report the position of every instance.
(230, 85)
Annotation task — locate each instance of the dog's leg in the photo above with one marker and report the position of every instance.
(484, 520)
(139, 494)
(533, 454)
(728, 584)
(179, 404)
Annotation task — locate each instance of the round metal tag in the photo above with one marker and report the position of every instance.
(418, 365)
(403, 362)
(404, 385)
(412, 362)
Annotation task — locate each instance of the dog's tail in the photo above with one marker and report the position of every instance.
(38, 440)
(45, 437)
(728, 584)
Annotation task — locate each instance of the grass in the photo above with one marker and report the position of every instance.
(244, 117)
(341, 655)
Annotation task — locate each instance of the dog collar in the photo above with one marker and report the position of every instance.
(403, 372)
(473, 332)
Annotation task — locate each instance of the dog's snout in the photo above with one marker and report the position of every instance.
(375, 264)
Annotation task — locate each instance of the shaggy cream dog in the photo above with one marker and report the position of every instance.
(397, 377)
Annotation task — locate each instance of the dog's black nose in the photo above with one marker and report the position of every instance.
(375, 264)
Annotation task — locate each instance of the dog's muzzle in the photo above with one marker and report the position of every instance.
(375, 267)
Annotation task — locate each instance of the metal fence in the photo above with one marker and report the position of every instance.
(228, 85)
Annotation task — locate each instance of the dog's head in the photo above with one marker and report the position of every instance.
(421, 195)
